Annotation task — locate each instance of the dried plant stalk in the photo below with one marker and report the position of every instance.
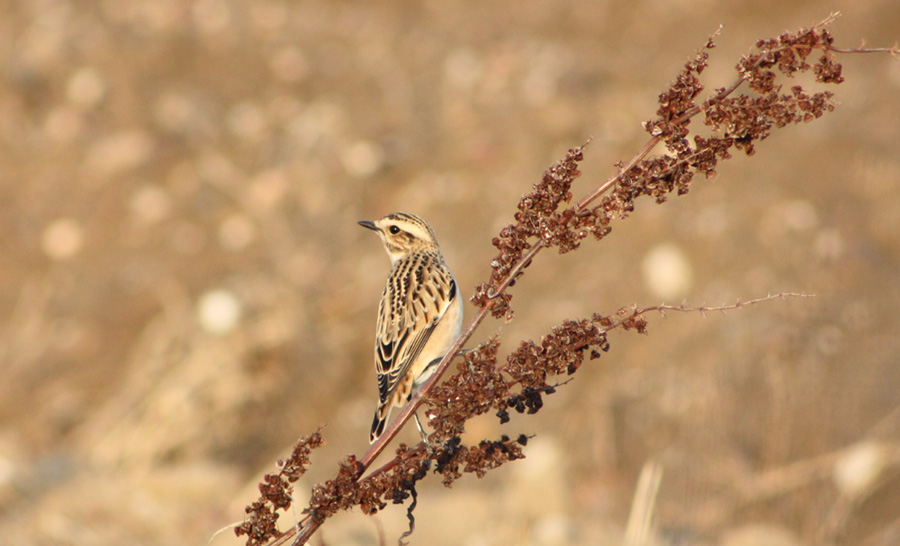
(547, 219)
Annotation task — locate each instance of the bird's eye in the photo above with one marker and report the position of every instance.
(394, 230)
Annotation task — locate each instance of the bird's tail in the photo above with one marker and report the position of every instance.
(382, 413)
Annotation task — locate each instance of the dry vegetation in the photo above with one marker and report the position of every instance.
(186, 291)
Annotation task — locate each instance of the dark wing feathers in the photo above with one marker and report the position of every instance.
(399, 315)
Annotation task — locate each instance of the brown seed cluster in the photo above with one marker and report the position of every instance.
(538, 219)
(480, 385)
(275, 493)
(735, 121)
(396, 481)
(487, 455)
(392, 482)
(474, 389)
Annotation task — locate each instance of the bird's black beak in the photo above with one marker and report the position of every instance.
(368, 224)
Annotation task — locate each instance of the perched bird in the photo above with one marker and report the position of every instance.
(420, 314)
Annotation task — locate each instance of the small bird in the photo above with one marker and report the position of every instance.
(419, 317)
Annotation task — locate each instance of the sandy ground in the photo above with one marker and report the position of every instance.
(185, 291)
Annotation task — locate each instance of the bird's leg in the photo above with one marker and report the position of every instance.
(420, 427)
(428, 447)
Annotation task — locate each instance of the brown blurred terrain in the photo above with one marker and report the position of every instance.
(185, 291)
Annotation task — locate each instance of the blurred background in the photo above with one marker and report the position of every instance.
(185, 291)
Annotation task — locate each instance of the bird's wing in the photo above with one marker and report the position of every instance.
(414, 301)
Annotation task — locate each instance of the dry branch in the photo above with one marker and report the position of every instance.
(547, 219)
